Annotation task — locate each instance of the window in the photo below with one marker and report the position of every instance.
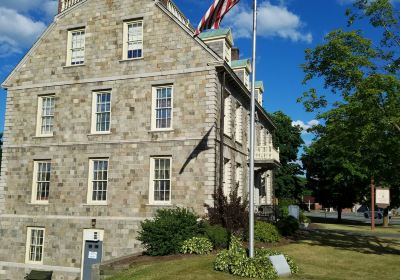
(261, 137)
(101, 112)
(34, 245)
(76, 47)
(45, 116)
(239, 179)
(238, 124)
(133, 39)
(41, 181)
(98, 181)
(227, 177)
(162, 107)
(228, 113)
(160, 180)
(227, 53)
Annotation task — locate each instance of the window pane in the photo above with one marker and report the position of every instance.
(163, 110)
(77, 47)
(47, 116)
(103, 109)
(36, 245)
(43, 180)
(162, 179)
(135, 39)
(100, 180)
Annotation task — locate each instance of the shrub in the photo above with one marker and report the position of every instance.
(231, 213)
(265, 232)
(165, 234)
(236, 262)
(287, 225)
(218, 235)
(197, 245)
(284, 205)
(303, 218)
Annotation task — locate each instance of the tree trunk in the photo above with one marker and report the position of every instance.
(339, 215)
(386, 217)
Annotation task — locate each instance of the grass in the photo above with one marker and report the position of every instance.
(324, 255)
(362, 228)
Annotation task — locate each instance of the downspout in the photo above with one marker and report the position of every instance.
(221, 133)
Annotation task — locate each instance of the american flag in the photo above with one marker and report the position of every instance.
(215, 14)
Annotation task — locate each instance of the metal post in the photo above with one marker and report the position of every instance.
(252, 136)
(372, 203)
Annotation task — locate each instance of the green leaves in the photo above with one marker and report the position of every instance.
(197, 245)
(236, 262)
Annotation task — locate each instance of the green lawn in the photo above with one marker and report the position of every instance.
(324, 255)
(365, 228)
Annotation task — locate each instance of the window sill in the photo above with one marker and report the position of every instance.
(155, 204)
(72, 66)
(39, 203)
(96, 204)
(36, 263)
(161, 130)
(98, 133)
(44, 136)
(130, 59)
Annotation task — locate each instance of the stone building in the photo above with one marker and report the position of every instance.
(112, 114)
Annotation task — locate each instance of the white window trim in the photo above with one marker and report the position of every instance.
(228, 116)
(227, 179)
(125, 40)
(151, 183)
(34, 182)
(39, 117)
(69, 47)
(239, 179)
(239, 124)
(93, 125)
(227, 52)
(153, 108)
(28, 244)
(89, 199)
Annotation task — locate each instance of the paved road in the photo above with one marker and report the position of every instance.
(359, 217)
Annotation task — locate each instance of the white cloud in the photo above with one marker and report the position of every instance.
(17, 31)
(273, 21)
(47, 7)
(304, 126)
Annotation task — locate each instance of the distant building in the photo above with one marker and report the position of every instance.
(114, 113)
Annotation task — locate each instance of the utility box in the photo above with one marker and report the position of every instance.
(39, 275)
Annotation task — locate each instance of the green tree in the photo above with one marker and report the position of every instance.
(361, 135)
(288, 183)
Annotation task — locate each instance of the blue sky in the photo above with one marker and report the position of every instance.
(286, 29)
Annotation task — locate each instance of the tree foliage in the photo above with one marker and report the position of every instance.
(360, 138)
(287, 180)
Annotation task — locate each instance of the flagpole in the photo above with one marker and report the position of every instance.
(252, 136)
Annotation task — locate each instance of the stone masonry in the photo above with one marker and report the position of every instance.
(171, 56)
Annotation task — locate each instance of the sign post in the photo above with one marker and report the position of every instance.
(372, 204)
(383, 201)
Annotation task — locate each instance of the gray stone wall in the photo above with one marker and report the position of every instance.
(177, 60)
